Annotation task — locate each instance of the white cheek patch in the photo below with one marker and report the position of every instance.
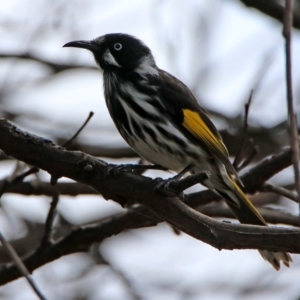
(109, 59)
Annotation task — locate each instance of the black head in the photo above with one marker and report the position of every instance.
(117, 51)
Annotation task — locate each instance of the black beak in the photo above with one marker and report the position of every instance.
(90, 45)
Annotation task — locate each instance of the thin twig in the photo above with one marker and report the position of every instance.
(294, 137)
(69, 142)
(240, 163)
(6, 183)
(19, 264)
(280, 191)
(54, 179)
(56, 67)
(249, 158)
(50, 218)
(238, 157)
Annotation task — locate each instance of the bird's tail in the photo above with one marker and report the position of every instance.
(246, 213)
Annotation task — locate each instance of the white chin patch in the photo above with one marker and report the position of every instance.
(109, 59)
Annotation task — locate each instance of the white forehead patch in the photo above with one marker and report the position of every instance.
(108, 57)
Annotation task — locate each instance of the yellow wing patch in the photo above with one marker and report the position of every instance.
(193, 122)
(195, 125)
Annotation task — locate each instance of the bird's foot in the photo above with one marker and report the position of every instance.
(176, 185)
(169, 186)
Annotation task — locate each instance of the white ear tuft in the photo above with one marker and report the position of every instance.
(147, 66)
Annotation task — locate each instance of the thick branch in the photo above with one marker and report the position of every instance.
(95, 173)
(89, 234)
(39, 188)
(270, 215)
(125, 186)
(78, 240)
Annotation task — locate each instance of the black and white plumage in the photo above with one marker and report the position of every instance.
(161, 120)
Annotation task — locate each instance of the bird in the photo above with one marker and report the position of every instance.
(162, 121)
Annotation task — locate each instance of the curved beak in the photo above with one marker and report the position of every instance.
(89, 45)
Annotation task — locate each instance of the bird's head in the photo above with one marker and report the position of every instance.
(117, 51)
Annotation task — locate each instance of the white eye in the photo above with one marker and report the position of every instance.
(118, 46)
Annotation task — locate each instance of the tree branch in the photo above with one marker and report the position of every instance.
(124, 187)
(55, 67)
(79, 240)
(253, 180)
(272, 9)
(292, 115)
(39, 188)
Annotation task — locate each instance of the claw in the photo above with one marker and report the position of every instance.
(175, 185)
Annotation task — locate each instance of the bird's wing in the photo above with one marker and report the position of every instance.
(183, 107)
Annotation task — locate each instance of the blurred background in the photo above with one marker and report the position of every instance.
(222, 50)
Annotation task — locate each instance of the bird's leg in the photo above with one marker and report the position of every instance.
(182, 173)
(165, 185)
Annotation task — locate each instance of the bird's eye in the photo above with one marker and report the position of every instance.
(118, 46)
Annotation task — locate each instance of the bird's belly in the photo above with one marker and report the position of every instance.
(159, 155)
